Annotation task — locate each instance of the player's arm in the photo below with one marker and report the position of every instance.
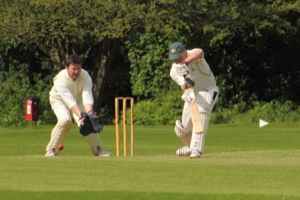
(66, 95)
(87, 95)
(180, 74)
(194, 55)
(82, 115)
(76, 110)
(177, 77)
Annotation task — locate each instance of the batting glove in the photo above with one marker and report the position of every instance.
(189, 80)
(182, 69)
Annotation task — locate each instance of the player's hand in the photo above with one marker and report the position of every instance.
(81, 121)
(92, 124)
(190, 96)
(182, 69)
(94, 114)
(189, 80)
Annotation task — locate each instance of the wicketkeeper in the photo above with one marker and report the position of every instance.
(190, 69)
(71, 99)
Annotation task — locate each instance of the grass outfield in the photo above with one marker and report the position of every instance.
(240, 162)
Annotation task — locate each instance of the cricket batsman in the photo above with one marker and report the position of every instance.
(72, 100)
(190, 70)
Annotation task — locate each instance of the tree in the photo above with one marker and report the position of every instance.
(254, 48)
(250, 45)
(165, 21)
(92, 29)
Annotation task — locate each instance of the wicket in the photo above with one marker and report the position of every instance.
(117, 121)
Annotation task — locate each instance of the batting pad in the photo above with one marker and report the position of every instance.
(182, 133)
(198, 140)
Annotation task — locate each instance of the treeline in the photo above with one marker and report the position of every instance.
(251, 46)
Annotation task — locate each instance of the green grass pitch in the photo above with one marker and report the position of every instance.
(240, 162)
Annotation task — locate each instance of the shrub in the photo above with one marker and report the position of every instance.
(274, 111)
(163, 110)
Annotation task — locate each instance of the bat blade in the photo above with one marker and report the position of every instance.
(194, 111)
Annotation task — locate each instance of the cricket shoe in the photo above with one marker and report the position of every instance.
(183, 151)
(50, 153)
(102, 152)
(195, 153)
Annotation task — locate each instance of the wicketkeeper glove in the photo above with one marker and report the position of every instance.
(91, 124)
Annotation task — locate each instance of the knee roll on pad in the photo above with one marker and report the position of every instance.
(180, 130)
(183, 134)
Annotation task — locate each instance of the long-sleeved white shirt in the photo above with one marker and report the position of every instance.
(70, 91)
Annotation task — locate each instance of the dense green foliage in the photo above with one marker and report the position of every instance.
(254, 50)
(164, 110)
(251, 46)
(22, 78)
(273, 111)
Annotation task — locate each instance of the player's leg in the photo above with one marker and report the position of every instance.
(185, 137)
(94, 141)
(198, 140)
(61, 129)
(96, 145)
(206, 101)
(183, 131)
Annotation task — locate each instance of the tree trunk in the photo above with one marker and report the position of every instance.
(58, 58)
(102, 64)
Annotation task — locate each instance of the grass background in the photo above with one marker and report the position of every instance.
(240, 162)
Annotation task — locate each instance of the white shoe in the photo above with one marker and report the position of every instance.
(50, 153)
(195, 153)
(183, 151)
(102, 152)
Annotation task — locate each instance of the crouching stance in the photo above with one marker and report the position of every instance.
(71, 100)
(190, 70)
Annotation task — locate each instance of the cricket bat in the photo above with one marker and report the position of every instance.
(194, 111)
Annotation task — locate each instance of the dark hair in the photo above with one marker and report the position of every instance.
(73, 59)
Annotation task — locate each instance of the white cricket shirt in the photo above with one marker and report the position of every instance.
(200, 70)
(70, 91)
